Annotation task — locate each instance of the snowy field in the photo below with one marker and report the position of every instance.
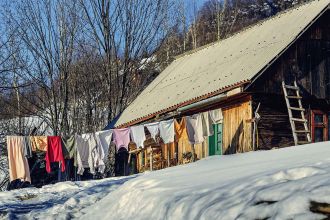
(277, 184)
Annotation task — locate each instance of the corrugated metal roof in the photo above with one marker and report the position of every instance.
(227, 62)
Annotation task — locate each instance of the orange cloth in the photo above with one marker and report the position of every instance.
(182, 138)
(39, 143)
(18, 164)
(180, 129)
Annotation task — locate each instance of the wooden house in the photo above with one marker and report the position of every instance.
(237, 75)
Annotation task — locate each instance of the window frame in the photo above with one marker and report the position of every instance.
(324, 125)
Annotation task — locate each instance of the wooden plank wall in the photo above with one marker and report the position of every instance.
(237, 128)
(274, 129)
(201, 150)
(308, 62)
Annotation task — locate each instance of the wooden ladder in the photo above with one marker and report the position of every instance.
(300, 109)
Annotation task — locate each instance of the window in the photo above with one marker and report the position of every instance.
(328, 126)
(320, 126)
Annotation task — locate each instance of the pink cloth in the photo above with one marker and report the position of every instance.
(121, 138)
(54, 152)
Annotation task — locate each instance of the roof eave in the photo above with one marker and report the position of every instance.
(188, 102)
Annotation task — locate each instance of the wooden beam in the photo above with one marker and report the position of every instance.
(168, 156)
(193, 152)
(151, 159)
(188, 102)
(135, 151)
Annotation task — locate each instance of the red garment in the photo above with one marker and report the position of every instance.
(54, 152)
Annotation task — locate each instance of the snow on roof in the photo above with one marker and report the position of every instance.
(235, 59)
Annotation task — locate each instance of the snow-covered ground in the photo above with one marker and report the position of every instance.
(277, 184)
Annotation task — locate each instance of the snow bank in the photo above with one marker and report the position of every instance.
(59, 201)
(276, 184)
(256, 185)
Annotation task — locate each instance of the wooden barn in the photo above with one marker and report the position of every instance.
(271, 82)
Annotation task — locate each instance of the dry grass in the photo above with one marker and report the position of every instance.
(320, 208)
(26, 197)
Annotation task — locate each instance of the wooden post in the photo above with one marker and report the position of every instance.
(193, 152)
(151, 159)
(129, 158)
(145, 158)
(59, 172)
(203, 149)
(128, 163)
(167, 155)
(140, 161)
(255, 121)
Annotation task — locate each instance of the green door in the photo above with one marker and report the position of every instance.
(215, 141)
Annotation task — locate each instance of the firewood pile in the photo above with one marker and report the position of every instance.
(158, 161)
(187, 157)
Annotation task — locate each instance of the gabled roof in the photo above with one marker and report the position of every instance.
(236, 59)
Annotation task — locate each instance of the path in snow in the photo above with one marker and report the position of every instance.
(59, 201)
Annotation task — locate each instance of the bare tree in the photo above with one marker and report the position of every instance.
(47, 31)
(125, 32)
(193, 28)
(183, 20)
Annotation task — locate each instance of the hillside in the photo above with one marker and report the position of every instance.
(279, 184)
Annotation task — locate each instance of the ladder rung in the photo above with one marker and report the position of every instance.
(299, 119)
(293, 97)
(297, 109)
(291, 87)
(302, 131)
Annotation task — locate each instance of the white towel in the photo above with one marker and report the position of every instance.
(153, 128)
(207, 125)
(86, 153)
(216, 116)
(195, 129)
(103, 139)
(166, 131)
(138, 136)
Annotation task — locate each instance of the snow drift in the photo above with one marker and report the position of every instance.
(277, 184)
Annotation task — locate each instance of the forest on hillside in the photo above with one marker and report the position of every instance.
(77, 64)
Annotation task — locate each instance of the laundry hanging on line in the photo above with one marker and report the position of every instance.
(103, 139)
(90, 150)
(216, 116)
(39, 143)
(207, 124)
(138, 135)
(54, 152)
(84, 154)
(166, 131)
(18, 164)
(153, 129)
(68, 146)
(27, 147)
(121, 138)
(195, 128)
(181, 129)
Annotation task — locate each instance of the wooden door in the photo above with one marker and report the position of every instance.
(215, 141)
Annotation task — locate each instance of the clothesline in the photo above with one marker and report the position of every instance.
(90, 150)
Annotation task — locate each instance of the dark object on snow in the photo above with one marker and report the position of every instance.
(110, 162)
(121, 162)
(17, 184)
